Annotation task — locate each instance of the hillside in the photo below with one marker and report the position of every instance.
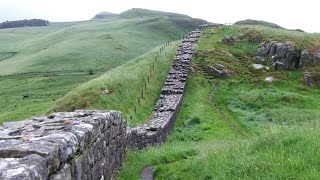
(104, 15)
(40, 65)
(258, 22)
(236, 124)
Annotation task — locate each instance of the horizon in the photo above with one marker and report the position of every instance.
(222, 12)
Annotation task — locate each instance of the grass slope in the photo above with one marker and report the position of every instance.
(123, 86)
(43, 64)
(250, 130)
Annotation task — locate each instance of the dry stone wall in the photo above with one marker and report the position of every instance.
(90, 144)
(75, 145)
(157, 128)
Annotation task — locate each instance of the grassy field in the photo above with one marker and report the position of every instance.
(40, 65)
(249, 129)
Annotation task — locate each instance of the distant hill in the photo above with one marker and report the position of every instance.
(103, 15)
(258, 22)
(140, 13)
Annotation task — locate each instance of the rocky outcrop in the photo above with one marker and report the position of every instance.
(157, 128)
(283, 55)
(286, 56)
(75, 145)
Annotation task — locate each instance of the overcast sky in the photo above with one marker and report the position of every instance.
(290, 14)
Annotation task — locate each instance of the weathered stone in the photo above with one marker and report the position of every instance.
(257, 66)
(305, 58)
(279, 66)
(264, 49)
(64, 173)
(317, 57)
(216, 72)
(281, 52)
(27, 154)
(29, 167)
(308, 79)
(268, 79)
(219, 66)
(228, 40)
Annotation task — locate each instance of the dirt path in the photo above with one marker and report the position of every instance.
(147, 173)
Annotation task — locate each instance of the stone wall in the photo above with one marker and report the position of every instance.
(76, 145)
(157, 128)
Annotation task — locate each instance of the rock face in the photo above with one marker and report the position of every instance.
(163, 118)
(283, 55)
(305, 58)
(76, 145)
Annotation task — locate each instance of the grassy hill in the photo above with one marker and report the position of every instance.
(240, 127)
(40, 65)
(258, 22)
(104, 15)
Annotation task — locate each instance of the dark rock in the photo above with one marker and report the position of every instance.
(279, 66)
(264, 49)
(305, 58)
(228, 40)
(317, 57)
(307, 79)
(283, 55)
(273, 59)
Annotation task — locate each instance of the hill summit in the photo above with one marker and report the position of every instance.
(138, 12)
(103, 15)
(258, 22)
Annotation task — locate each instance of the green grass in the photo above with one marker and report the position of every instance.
(124, 84)
(250, 130)
(41, 92)
(48, 62)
